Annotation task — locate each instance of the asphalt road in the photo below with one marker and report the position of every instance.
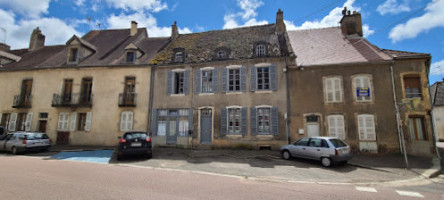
(24, 177)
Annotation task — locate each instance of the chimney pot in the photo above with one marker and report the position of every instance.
(280, 25)
(174, 31)
(133, 28)
(351, 23)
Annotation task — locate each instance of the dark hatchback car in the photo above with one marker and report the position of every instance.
(134, 143)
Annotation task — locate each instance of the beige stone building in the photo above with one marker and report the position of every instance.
(437, 90)
(85, 92)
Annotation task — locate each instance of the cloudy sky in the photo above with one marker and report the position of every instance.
(408, 25)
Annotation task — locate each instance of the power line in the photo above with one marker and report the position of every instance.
(316, 11)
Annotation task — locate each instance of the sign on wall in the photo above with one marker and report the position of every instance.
(363, 92)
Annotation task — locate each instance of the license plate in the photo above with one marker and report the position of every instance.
(136, 144)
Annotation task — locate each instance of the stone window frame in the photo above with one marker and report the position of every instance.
(370, 85)
(217, 51)
(413, 133)
(335, 98)
(335, 123)
(411, 75)
(73, 58)
(256, 50)
(231, 129)
(176, 52)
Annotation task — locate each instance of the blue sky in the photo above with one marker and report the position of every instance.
(407, 25)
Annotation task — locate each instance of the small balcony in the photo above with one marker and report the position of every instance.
(127, 99)
(22, 101)
(71, 100)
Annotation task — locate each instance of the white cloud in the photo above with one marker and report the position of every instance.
(437, 68)
(79, 2)
(136, 5)
(331, 20)
(432, 18)
(27, 8)
(393, 7)
(247, 16)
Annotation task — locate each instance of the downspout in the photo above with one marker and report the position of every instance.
(150, 103)
(287, 127)
(398, 118)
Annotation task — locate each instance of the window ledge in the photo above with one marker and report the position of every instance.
(334, 102)
(263, 92)
(233, 93)
(177, 95)
(206, 94)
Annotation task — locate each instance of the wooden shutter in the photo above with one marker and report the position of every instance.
(224, 81)
(340, 128)
(123, 119)
(274, 121)
(370, 127)
(88, 121)
(244, 120)
(328, 90)
(337, 90)
(332, 126)
(186, 81)
(129, 120)
(253, 120)
(361, 127)
(273, 77)
(28, 122)
(65, 121)
(154, 123)
(253, 78)
(170, 82)
(223, 121)
(60, 122)
(243, 78)
(73, 121)
(190, 119)
(197, 81)
(215, 80)
(12, 122)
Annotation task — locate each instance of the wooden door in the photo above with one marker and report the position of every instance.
(86, 90)
(130, 90)
(67, 91)
(26, 91)
(42, 126)
(62, 138)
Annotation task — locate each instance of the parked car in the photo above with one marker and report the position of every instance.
(328, 150)
(2, 132)
(18, 142)
(134, 143)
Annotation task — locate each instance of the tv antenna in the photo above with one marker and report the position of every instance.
(89, 19)
(4, 33)
(98, 25)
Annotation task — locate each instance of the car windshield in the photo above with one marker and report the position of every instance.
(129, 136)
(36, 136)
(338, 143)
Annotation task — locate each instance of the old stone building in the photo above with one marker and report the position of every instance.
(437, 94)
(344, 86)
(223, 88)
(87, 91)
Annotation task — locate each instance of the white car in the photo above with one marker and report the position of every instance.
(328, 150)
(24, 141)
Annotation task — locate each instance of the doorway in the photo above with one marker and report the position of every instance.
(312, 126)
(206, 125)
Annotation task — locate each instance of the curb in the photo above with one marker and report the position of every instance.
(435, 170)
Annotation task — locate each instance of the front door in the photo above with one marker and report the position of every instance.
(205, 126)
(312, 126)
(42, 126)
(172, 131)
(62, 138)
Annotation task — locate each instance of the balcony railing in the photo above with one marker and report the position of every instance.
(71, 100)
(22, 101)
(127, 99)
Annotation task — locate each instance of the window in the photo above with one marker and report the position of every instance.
(366, 127)
(178, 83)
(86, 91)
(263, 115)
(260, 50)
(67, 91)
(25, 95)
(336, 126)
(417, 130)
(21, 120)
(233, 80)
(4, 121)
(234, 121)
(81, 121)
(333, 89)
(263, 78)
(362, 88)
(63, 121)
(412, 86)
(166, 121)
(73, 55)
(207, 81)
(221, 54)
(129, 91)
(130, 58)
(178, 57)
(126, 121)
(302, 142)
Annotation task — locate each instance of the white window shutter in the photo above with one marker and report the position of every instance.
(328, 90)
(361, 128)
(73, 121)
(65, 121)
(123, 121)
(12, 122)
(129, 121)
(332, 126)
(28, 122)
(88, 121)
(60, 123)
(340, 128)
(337, 89)
(370, 127)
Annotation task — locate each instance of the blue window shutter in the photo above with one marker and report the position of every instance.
(197, 81)
(273, 77)
(243, 77)
(215, 80)
(274, 121)
(224, 81)
(223, 121)
(244, 117)
(170, 82)
(186, 82)
(253, 78)
(190, 120)
(253, 121)
(154, 123)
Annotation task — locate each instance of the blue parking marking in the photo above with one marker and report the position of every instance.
(98, 156)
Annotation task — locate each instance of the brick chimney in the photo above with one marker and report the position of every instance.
(4, 47)
(133, 28)
(37, 40)
(280, 25)
(174, 31)
(351, 23)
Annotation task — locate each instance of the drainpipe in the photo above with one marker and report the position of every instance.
(150, 103)
(287, 122)
(398, 119)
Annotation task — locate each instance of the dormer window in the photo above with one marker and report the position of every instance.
(221, 54)
(178, 57)
(130, 57)
(260, 50)
(73, 55)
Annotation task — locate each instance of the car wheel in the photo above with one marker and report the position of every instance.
(14, 150)
(326, 162)
(286, 155)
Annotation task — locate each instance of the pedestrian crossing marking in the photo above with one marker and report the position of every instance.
(410, 194)
(366, 189)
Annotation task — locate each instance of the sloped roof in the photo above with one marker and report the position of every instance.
(201, 47)
(34, 59)
(401, 54)
(437, 90)
(329, 46)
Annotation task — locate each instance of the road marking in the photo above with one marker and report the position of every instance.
(410, 194)
(366, 189)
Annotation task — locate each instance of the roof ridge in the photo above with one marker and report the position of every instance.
(230, 29)
(309, 29)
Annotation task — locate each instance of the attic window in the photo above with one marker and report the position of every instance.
(178, 57)
(260, 50)
(130, 57)
(73, 55)
(221, 54)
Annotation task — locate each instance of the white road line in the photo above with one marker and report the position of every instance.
(410, 194)
(366, 189)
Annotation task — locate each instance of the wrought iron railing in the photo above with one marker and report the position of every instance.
(127, 99)
(72, 100)
(22, 101)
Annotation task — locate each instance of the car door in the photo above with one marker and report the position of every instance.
(298, 149)
(316, 148)
(10, 139)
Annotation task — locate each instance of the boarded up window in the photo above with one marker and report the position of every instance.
(412, 86)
